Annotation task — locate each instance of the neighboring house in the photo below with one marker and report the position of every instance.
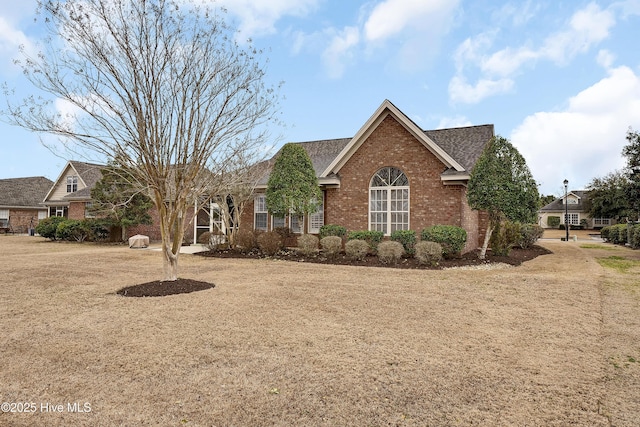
(391, 175)
(70, 194)
(70, 197)
(20, 203)
(575, 209)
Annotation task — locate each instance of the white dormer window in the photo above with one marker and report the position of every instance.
(72, 184)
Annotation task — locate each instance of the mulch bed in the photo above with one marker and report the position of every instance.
(160, 289)
(517, 257)
(184, 286)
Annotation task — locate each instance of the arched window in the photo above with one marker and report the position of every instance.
(389, 201)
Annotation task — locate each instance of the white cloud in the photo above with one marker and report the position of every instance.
(258, 17)
(586, 139)
(605, 58)
(586, 28)
(453, 122)
(392, 17)
(461, 91)
(11, 40)
(338, 53)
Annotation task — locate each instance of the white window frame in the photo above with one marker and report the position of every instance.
(42, 215)
(72, 183)
(260, 208)
(601, 222)
(316, 219)
(4, 217)
(387, 211)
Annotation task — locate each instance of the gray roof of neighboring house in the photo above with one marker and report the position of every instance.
(90, 173)
(558, 206)
(24, 192)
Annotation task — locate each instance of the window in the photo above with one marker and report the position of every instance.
(389, 201)
(260, 213)
(295, 223)
(573, 219)
(4, 218)
(58, 211)
(42, 215)
(601, 222)
(72, 184)
(277, 222)
(87, 210)
(316, 219)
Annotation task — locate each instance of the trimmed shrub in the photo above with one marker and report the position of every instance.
(213, 241)
(331, 245)
(356, 249)
(407, 238)
(332, 230)
(373, 238)
(99, 229)
(308, 244)
(504, 237)
(270, 243)
(553, 221)
(529, 235)
(389, 252)
(428, 253)
(634, 236)
(48, 226)
(604, 233)
(618, 234)
(72, 230)
(450, 237)
(246, 240)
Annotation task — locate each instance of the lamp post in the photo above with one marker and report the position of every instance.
(566, 211)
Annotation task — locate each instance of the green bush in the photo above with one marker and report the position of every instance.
(553, 221)
(428, 253)
(99, 229)
(48, 226)
(389, 252)
(529, 235)
(332, 230)
(450, 237)
(72, 230)
(618, 234)
(634, 236)
(331, 245)
(407, 238)
(505, 236)
(373, 238)
(270, 243)
(308, 244)
(356, 249)
(604, 233)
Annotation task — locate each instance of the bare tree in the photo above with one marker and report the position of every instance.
(162, 85)
(234, 187)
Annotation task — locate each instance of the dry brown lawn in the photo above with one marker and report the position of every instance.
(553, 342)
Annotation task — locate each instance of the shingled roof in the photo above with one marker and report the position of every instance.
(464, 144)
(557, 204)
(23, 192)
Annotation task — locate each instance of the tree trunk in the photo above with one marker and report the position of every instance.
(169, 263)
(485, 245)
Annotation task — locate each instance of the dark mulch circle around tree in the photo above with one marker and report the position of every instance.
(160, 289)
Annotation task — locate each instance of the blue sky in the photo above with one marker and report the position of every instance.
(560, 79)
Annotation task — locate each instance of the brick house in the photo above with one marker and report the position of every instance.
(20, 203)
(390, 175)
(70, 197)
